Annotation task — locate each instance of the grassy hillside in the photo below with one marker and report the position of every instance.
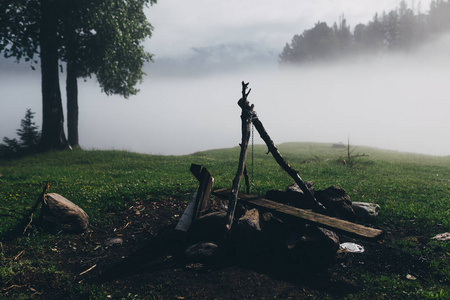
(412, 190)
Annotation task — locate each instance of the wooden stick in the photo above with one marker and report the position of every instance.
(247, 181)
(84, 272)
(246, 117)
(286, 167)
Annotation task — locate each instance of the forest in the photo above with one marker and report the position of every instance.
(401, 29)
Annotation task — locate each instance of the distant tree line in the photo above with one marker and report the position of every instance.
(400, 29)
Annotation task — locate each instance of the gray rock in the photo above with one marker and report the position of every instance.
(366, 211)
(295, 196)
(114, 241)
(249, 222)
(203, 252)
(337, 203)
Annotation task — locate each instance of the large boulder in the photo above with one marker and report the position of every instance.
(337, 203)
(62, 214)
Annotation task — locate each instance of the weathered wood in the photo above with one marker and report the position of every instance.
(185, 221)
(204, 189)
(246, 117)
(310, 217)
(59, 212)
(247, 181)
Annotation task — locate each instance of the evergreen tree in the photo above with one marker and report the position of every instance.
(28, 132)
(29, 137)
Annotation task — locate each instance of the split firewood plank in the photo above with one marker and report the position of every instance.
(310, 217)
(204, 189)
(186, 218)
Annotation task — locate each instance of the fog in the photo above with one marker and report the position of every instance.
(394, 102)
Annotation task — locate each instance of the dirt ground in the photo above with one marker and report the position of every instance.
(138, 255)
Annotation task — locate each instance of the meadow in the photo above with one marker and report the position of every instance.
(412, 190)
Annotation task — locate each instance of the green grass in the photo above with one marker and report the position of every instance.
(413, 192)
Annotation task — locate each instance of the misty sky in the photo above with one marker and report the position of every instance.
(205, 48)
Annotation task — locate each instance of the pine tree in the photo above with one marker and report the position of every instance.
(29, 136)
(28, 132)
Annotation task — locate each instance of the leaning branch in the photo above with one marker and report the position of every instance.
(286, 167)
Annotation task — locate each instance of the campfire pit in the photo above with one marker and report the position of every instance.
(298, 226)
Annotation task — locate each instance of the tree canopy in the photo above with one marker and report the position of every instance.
(100, 37)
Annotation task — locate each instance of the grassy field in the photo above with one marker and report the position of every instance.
(412, 190)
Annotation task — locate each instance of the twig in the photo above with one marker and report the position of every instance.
(12, 286)
(19, 255)
(35, 206)
(29, 223)
(443, 180)
(126, 225)
(84, 272)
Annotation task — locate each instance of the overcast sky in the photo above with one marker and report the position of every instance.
(205, 48)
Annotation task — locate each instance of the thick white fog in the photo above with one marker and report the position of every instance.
(398, 103)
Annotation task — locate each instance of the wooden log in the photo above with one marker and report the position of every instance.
(338, 225)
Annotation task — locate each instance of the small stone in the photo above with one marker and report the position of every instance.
(411, 277)
(202, 252)
(442, 236)
(115, 241)
(352, 247)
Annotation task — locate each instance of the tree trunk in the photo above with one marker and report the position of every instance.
(72, 105)
(53, 136)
